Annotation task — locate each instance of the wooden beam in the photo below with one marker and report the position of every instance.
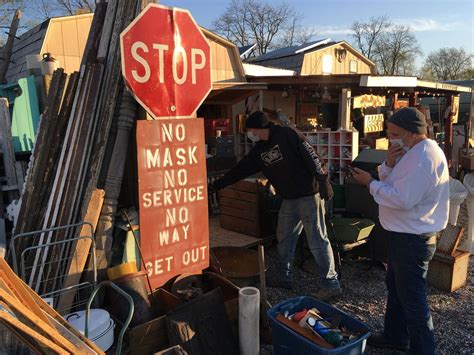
(80, 250)
(448, 130)
(7, 150)
(345, 109)
(7, 49)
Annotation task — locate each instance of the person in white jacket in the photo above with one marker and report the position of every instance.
(413, 199)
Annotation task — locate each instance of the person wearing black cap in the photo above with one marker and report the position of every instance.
(413, 199)
(292, 167)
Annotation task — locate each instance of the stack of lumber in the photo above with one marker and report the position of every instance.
(28, 322)
(73, 150)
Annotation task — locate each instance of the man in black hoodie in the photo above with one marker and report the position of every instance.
(292, 167)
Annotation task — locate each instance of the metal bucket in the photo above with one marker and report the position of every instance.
(239, 265)
(135, 285)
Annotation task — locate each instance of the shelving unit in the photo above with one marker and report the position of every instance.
(336, 148)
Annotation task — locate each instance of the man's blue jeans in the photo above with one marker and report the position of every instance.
(307, 212)
(407, 317)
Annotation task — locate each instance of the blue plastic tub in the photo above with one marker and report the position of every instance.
(286, 341)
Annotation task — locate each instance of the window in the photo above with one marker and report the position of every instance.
(327, 64)
(353, 67)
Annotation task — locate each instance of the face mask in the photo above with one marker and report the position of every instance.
(253, 137)
(399, 142)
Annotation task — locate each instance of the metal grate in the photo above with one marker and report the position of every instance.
(45, 266)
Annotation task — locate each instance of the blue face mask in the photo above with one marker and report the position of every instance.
(253, 137)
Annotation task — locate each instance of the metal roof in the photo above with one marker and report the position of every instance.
(288, 51)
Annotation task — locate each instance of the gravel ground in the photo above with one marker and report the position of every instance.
(364, 296)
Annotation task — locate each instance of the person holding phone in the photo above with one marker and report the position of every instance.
(413, 199)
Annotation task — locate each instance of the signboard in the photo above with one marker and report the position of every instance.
(166, 61)
(364, 101)
(373, 123)
(172, 184)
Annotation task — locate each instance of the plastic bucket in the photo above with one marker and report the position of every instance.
(457, 195)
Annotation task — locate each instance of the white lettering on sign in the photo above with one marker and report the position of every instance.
(162, 158)
(168, 135)
(175, 233)
(156, 267)
(183, 216)
(161, 55)
(194, 255)
(142, 61)
(170, 178)
(195, 65)
(180, 56)
(168, 198)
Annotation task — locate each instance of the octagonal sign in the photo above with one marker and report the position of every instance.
(166, 61)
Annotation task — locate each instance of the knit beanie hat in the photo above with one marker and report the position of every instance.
(410, 119)
(258, 119)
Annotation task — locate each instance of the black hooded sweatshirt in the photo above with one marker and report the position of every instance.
(286, 160)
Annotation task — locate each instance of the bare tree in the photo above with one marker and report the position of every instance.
(252, 21)
(396, 50)
(41, 10)
(367, 34)
(295, 34)
(448, 64)
(393, 48)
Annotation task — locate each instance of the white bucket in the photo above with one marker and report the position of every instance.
(101, 326)
(457, 195)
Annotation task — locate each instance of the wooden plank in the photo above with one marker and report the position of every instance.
(6, 143)
(39, 303)
(29, 202)
(239, 195)
(19, 293)
(48, 345)
(220, 237)
(30, 319)
(107, 30)
(246, 186)
(81, 249)
(241, 213)
(239, 204)
(240, 225)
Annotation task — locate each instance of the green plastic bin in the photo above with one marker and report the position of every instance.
(352, 229)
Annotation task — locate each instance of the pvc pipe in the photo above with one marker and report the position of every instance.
(249, 317)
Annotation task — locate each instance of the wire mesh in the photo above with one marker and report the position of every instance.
(45, 267)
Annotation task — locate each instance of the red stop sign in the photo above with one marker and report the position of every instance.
(166, 61)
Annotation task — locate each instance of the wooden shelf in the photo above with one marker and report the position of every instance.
(336, 148)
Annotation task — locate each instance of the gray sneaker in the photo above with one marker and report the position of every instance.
(325, 294)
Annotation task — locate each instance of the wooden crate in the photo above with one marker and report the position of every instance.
(241, 207)
(152, 336)
(448, 273)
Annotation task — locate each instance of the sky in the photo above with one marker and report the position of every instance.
(436, 23)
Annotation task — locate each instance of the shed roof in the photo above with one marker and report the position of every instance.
(289, 51)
